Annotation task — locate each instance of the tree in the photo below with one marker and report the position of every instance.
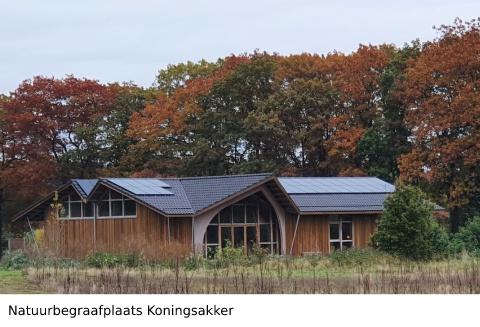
(407, 227)
(175, 77)
(55, 117)
(357, 77)
(118, 154)
(198, 127)
(49, 134)
(291, 125)
(441, 92)
(387, 138)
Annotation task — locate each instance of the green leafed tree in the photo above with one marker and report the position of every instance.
(407, 227)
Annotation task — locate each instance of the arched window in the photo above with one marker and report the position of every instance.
(243, 224)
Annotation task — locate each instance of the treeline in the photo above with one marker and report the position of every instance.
(411, 113)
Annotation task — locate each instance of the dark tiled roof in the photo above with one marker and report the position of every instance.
(337, 194)
(339, 202)
(206, 191)
(188, 196)
(353, 202)
(176, 204)
(191, 195)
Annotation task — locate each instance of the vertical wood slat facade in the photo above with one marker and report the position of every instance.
(68, 238)
(146, 234)
(363, 228)
(313, 232)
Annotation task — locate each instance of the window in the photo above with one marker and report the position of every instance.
(116, 205)
(341, 236)
(74, 208)
(243, 224)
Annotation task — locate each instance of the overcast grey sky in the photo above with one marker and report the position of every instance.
(120, 40)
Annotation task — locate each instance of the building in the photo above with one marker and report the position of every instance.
(177, 216)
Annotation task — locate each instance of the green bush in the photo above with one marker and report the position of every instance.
(104, 259)
(14, 260)
(440, 239)
(468, 238)
(193, 262)
(407, 227)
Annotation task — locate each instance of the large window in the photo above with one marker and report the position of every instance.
(74, 208)
(340, 233)
(243, 224)
(116, 205)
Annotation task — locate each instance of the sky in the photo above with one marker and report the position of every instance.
(130, 41)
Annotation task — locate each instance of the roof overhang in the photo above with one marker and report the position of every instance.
(307, 213)
(36, 211)
(271, 183)
(102, 184)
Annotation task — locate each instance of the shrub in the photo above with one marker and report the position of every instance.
(39, 234)
(104, 259)
(467, 238)
(440, 239)
(193, 261)
(407, 227)
(14, 260)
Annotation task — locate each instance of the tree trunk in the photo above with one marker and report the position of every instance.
(455, 219)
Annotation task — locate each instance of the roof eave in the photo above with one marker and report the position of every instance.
(308, 213)
(235, 195)
(287, 196)
(129, 195)
(35, 205)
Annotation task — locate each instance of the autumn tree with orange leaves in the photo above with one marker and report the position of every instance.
(441, 91)
(357, 78)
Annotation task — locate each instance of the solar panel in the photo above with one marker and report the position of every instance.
(86, 184)
(325, 185)
(142, 186)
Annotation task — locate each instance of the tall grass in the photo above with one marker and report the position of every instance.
(350, 272)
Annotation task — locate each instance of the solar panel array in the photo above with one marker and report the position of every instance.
(326, 185)
(142, 186)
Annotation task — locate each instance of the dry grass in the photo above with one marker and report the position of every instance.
(273, 276)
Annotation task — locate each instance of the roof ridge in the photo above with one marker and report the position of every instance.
(226, 176)
(356, 177)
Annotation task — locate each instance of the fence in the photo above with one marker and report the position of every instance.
(16, 244)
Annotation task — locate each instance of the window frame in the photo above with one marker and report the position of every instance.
(221, 224)
(66, 209)
(340, 220)
(119, 198)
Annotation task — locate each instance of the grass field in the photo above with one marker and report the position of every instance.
(16, 282)
(346, 272)
(297, 276)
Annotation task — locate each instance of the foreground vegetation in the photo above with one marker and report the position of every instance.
(17, 282)
(346, 272)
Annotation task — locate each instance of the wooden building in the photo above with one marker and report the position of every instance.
(162, 217)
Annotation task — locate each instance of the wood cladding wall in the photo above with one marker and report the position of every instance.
(147, 234)
(313, 232)
(363, 228)
(68, 238)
